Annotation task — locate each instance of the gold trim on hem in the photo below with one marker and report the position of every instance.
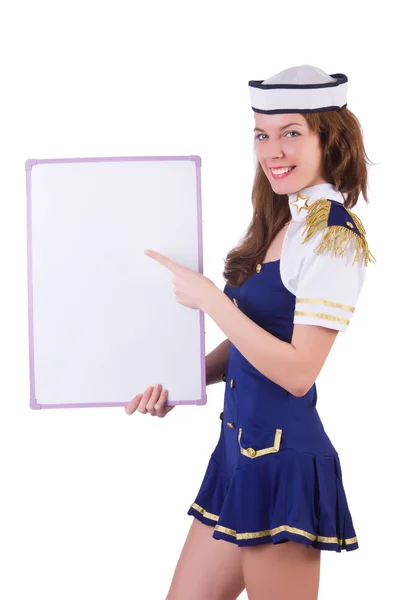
(203, 512)
(274, 531)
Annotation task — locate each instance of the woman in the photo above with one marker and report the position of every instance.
(272, 497)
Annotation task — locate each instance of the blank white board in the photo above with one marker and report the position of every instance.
(104, 323)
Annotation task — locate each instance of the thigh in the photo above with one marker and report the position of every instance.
(207, 569)
(288, 571)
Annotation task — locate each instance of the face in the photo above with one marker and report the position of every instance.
(296, 146)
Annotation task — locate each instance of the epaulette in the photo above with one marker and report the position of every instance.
(340, 226)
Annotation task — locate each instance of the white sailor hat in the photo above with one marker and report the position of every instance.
(303, 89)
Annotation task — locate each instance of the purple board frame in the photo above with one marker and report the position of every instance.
(29, 164)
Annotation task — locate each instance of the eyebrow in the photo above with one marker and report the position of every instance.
(285, 127)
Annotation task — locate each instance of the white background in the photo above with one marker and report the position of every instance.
(93, 502)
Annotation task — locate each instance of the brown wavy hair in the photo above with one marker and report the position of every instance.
(344, 165)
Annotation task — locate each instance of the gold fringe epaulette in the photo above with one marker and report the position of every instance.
(335, 237)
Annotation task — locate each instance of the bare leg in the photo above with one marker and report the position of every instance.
(207, 569)
(288, 571)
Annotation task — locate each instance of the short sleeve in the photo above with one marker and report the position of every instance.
(328, 287)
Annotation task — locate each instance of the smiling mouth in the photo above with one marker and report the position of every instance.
(281, 170)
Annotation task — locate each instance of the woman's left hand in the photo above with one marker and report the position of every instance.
(192, 289)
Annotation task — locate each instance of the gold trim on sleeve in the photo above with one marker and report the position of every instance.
(306, 313)
(325, 302)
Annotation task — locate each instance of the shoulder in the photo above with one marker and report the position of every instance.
(326, 267)
(331, 228)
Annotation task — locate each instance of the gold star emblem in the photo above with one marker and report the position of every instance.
(301, 203)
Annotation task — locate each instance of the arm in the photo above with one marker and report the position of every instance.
(326, 293)
(294, 366)
(216, 362)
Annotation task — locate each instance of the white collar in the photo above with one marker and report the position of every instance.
(309, 195)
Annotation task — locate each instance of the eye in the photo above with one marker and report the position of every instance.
(258, 136)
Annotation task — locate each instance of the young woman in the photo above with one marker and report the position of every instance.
(272, 497)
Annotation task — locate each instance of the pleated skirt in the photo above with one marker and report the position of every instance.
(285, 496)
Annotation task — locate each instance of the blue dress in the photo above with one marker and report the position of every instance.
(274, 475)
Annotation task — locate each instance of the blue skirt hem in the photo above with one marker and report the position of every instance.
(276, 537)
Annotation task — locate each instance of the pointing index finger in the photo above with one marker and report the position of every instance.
(164, 260)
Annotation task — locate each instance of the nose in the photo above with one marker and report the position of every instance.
(273, 149)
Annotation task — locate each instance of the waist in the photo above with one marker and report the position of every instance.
(296, 424)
